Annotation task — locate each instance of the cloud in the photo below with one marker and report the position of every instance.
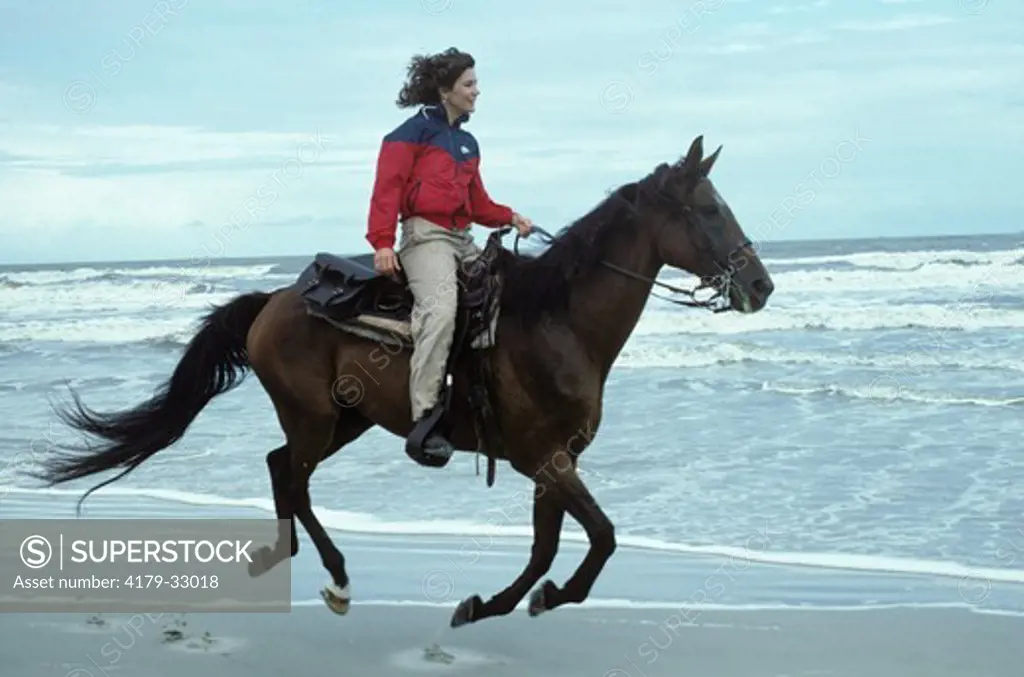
(790, 9)
(734, 48)
(161, 177)
(97, 145)
(188, 135)
(901, 23)
(155, 177)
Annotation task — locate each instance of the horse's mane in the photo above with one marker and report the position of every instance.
(538, 286)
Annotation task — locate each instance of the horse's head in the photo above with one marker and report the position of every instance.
(695, 230)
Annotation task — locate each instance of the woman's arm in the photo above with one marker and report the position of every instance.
(394, 165)
(486, 211)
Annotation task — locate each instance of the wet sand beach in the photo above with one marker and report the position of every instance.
(395, 640)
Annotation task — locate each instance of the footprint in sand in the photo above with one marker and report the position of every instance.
(433, 657)
(205, 642)
(96, 624)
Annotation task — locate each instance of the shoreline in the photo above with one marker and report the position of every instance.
(425, 569)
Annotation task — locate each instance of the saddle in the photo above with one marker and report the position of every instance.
(348, 293)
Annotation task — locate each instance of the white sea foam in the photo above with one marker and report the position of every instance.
(171, 273)
(711, 352)
(360, 523)
(124, 298)
(947, 277)
(85, 327)
(115, 329)
(832, 315)
(959, 274)
(907, 260)
(872, 295)
(889, 389)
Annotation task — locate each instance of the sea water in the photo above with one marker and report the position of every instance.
(857, 442)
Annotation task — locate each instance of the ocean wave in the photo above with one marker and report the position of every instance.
(837, 315)
(725, 353)
(170, 273)
(923, 268)
(637, 354)
(75, 383)
(99, 297)
(361, 523)
(954, 282)
(908, 260)
(169, 331)
(103, 330)
(290, 269)
(115, 304)
(887, 389)
(115, 277)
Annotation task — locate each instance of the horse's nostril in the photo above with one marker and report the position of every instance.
(763, 287)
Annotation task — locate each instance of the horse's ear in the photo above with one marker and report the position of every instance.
(691, 162)
(707, 163)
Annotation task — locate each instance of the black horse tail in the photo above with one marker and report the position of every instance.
(215, 361)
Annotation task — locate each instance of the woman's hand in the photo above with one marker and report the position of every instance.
(385, 261)
(523, 224)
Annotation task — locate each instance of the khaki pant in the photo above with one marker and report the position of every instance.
(430, 256)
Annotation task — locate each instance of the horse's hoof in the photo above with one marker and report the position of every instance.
(466, 612)
(261, 561)
(538, 600)
(337, 599)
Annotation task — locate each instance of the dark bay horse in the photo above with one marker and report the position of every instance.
(565, 314)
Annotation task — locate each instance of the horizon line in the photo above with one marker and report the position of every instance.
(275, 257)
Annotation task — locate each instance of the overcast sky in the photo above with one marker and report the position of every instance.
(136, 129)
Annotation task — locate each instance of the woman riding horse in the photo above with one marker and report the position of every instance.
(428, 175)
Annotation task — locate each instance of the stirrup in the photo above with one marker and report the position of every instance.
(422, 435)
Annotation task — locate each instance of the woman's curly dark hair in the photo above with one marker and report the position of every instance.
(428, 72)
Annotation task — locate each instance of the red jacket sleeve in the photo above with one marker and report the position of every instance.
(394, 165)
(486, 211)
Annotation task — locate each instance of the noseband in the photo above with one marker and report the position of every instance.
(718, 302)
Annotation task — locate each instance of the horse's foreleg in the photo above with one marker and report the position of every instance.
(578, 501)
(547, 526)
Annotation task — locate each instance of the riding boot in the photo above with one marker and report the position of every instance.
(435, 444)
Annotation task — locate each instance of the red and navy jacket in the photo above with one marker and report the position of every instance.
(431, 169)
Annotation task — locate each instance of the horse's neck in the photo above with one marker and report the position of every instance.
(606, 304)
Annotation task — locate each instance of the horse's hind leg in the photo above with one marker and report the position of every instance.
(279, 466)
(279, 463)
(312, 440)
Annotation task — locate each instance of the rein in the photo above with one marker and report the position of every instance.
(714, 303)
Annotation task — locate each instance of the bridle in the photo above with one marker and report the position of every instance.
(718, 302)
